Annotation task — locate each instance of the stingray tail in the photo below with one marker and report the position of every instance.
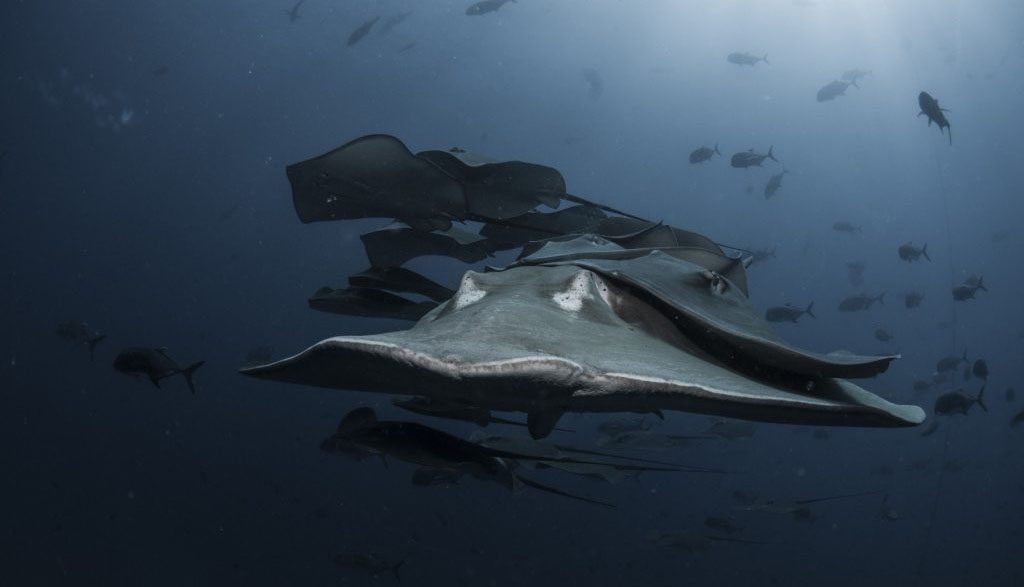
(92, 345)
(189, 371)
(840, 496)
(809, 312)
(949, 129)
(980, 400)
(556, 491)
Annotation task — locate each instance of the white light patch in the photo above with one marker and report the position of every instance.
(469, 293)
(571, 300)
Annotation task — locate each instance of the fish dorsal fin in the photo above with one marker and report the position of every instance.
(357, 419)
(542, 423)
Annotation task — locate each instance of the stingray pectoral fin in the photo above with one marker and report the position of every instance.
(556, 491)
(542, 423)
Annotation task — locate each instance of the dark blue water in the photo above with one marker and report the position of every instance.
(143, 191)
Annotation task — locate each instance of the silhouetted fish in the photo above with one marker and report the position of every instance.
(930, 108)
(745, 59)
(833, 90)
(908, 252)
(860, 302)
(702, 154)
(787, 313)
(749, 158)
(363, 30)
(485, 6)
(774, 184)
(155, 364)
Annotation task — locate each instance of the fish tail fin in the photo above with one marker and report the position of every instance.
(981, 284)
(189, 371)
(924, 251)
(964, 356)
(981, 399)
(765, 59)
(853, 83)
(717, 151)
(881, 298)
(92, 345)
(809, 312)
(396, 568)
(771, 155)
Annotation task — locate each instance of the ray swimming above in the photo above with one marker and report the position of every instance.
(642, 318)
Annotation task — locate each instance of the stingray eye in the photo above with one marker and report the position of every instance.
(718, 284)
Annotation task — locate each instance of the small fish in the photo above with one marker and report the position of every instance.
(77, 332)
(860, 302)
(485, 6)
(702, 154)
(361, 31)
(930, 108)
(761, 255)
(980, 369)
(853, 75)
(1018, 419)
(833, 90)
(950, 363)
(788, 313)
(745, 59)
(774, 183)
(293, 12)
(955, 402)
(749, 158)
(882, 335)
(908, 252)
(846, 227)
(913, 299)
(371, 563)
(968, 288)
(155, 364)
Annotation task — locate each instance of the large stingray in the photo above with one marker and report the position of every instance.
(629, 316)
(654, 333)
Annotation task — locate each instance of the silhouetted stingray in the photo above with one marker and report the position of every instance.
(453, 411)
(428, 447)
(400, 280)
(398, 242)
(647, 318)
(367, 302)
(376, 176)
